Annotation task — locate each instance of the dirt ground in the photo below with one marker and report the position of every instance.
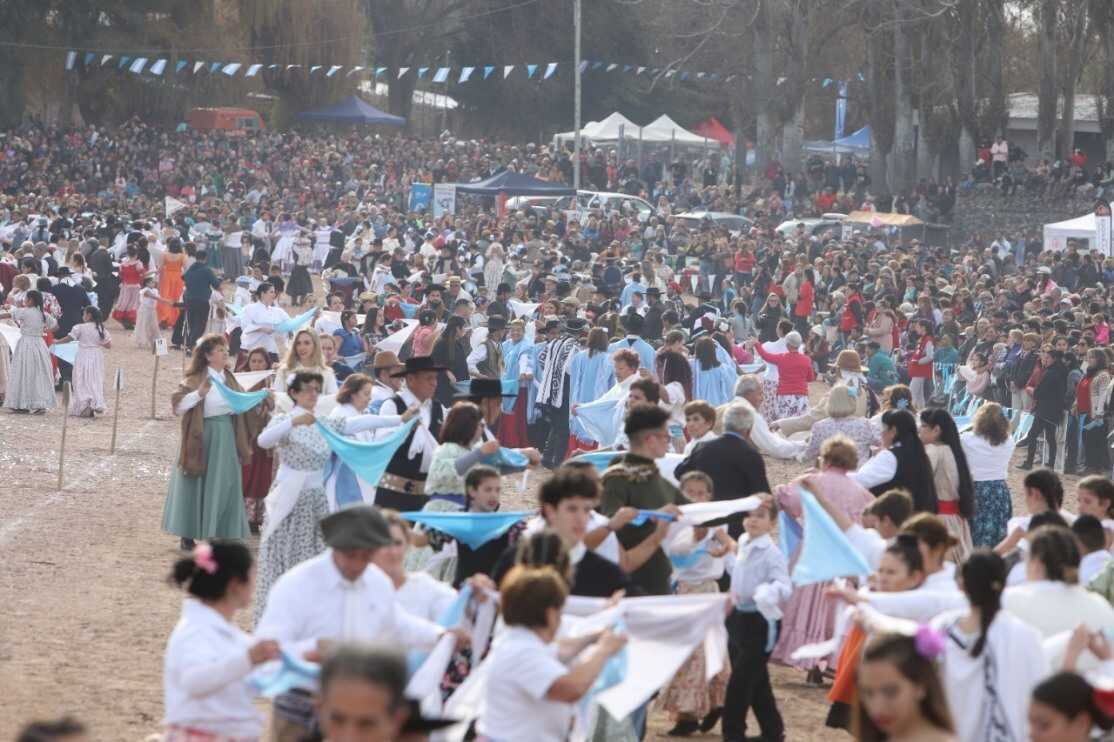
(85, 609)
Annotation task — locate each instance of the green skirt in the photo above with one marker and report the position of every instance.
(212, 505)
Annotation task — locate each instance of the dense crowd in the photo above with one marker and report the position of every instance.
(362, 378)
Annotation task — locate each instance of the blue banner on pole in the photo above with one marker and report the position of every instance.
(421, 196)
(841, 109)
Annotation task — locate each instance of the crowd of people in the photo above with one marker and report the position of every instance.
(366, 385)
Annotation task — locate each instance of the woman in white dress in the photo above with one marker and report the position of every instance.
(257, 323)
(297, 500)
(494, 264)
(31, 382)
(88, 369)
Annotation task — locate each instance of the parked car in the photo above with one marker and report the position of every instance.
(813, 225)
(605, 202)
(733, 223)
(232, 120)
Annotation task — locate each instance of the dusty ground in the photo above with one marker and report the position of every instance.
(84, 607)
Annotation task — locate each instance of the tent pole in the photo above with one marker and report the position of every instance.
(576, 102)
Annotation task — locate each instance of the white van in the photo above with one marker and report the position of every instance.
(605, 202)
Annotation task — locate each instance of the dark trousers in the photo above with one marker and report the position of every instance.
(197, 317)
(1096, 454)
(749, 686)
(1048, 427)
(557, 442)
(1073, 456)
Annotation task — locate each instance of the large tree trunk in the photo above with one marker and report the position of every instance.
(1104, 19)
(1046, 105)
(762, 98)
(965, 95)
(903, 164)
(1076, 40)
(879, 88)
(998, 114)
(793, 140)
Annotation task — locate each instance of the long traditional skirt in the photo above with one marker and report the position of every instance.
(256, 482)
(212, 505)
(512, 431)
(688, 692)
(993, 509)
(295, 540)
(88, 382)
(790, 405)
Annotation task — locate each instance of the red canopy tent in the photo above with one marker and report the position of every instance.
(713, 129)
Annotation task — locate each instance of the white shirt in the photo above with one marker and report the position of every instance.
(423, 442)
(1091, 565)
(759, 565)
(314, 601)
(425, 596)
(215, 404)
(987, 463)
(522, 671)
(771, 443)
(1053, 607)
(868, 542)
(709, 436)
(204, 675)
(773, 346)
(255, 321)
(880, 469)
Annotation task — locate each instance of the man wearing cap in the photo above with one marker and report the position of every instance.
(486, 359)
(338, 595)
(402, 487)
(634, 324)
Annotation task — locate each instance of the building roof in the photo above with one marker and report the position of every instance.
(1023, 112)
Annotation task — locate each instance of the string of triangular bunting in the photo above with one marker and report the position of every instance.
(139, 65)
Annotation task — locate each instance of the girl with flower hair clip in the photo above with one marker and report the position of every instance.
(989, 660)
(208, 658)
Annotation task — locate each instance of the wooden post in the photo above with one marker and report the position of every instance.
(154, 385)
(65, 419)
(116, 411)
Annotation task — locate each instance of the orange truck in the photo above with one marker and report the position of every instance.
(241, 120)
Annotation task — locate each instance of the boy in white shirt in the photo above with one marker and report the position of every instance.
(759, 586)
(1092, 541)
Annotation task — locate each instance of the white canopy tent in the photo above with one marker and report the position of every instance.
(1056, 235)
(672, 131)
(662, 130)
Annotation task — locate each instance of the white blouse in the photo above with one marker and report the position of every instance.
(215, 403)
(987, 463)
(425, 596)
(204, 675)
(256, 321)
(881, 468)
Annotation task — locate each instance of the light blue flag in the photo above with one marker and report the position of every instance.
(89, 57)
(488, 69)
(507, 460)
(215, 66)
(789, 532)
(292, 673)
(826, 553)
(599, 459)
(531, 69)
(368, 459)
(471, 529)
(614, 672)
(645, 516)
(600, 420)
(962, 422)
(71, 59)
(180, 66)
(684, 561)
(65, 351)
(409, 311)
(295, 323)
(240, 402)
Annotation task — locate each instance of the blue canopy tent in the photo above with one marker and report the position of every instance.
(352, 110)
(856, 143)
(514, 184)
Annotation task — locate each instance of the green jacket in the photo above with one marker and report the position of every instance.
(634, 481)
(881, 369)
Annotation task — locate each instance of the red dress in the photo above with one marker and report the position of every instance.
(127, 303)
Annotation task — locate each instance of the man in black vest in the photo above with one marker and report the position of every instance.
(402, 487)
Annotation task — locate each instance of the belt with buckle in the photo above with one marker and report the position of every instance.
(402, 484)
